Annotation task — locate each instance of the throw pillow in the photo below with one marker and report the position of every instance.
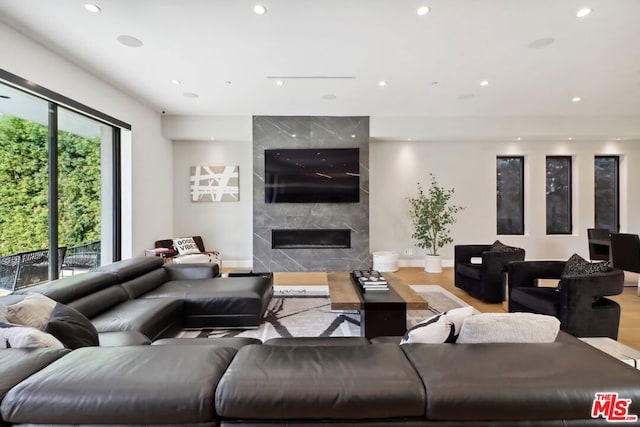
(16, 336)
(576, 265)
(71, 327)
(498, 246)
(457, 316)
(186, 246)
(4, 314)
(509, 328)
(34, 310)
(435, 330)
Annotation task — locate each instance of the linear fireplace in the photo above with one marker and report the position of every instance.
(310, 238)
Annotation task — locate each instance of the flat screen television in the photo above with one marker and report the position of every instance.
(312, 175)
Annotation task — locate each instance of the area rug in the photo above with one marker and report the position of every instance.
(300, 312)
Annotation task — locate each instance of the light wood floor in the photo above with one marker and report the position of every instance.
(629, 332)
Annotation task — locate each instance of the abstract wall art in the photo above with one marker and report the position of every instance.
(215, 183)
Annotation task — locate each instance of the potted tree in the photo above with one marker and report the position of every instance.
(432, 213)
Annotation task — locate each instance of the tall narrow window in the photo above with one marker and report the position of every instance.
(510, 194)
(607, 192)
(559, 195)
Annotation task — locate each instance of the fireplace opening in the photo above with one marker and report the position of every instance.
(310, 238)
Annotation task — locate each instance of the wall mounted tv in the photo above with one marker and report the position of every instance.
(312, 175)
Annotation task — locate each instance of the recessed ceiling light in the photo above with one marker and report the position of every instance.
(581, 13)
(212, 138)
(518, 139)
(382, 83)
(570, 138)
(93, 8)
(541, 43)
(293, 135)
(408, 139)
(423, 10)
(280, 83)
(259, 9)
(329, 97)
(190, 95)
(434, 83)
(176, 82)
(353, 135)
(484, 83)
(129, 41)
(576, 99)
(228, 82)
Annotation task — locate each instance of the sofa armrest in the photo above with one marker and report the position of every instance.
(192, 271)
(527, 273)
(464, 253)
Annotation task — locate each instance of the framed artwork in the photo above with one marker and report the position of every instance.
(215, 183)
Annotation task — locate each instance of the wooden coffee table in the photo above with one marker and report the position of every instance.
(381, 314)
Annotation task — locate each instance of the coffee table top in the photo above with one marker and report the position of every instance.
(345, 296)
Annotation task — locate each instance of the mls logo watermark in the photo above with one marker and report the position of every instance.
(612, 408)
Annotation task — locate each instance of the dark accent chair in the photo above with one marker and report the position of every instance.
(578, 301)
(598, 251)
(625, 253)
(483, 281)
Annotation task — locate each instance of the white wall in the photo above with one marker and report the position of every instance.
(147, 155)
(225, 226)
(470, 167)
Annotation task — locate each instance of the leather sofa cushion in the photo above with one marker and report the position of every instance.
(505, 382)
(149, 316)
(342, 382)
(72, 288)
(233, 342)
(98, 302)
(470, 270)
(122, 338)
(222, 295)
(131, 268)
(145, 283)
(540, 300)
(317, 341)
(16, 364)
(138, 385)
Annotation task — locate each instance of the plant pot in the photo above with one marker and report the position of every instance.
(432, 264)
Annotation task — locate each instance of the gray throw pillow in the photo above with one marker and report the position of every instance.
(71, 327)
(34, 310)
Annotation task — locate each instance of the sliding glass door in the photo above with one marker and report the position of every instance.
(57, 192)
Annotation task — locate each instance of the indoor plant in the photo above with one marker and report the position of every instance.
(432, 213)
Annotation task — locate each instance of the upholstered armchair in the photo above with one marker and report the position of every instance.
(483, 279)
(578, 300)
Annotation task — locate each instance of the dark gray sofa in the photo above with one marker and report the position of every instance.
(552, 384)
(155, 299)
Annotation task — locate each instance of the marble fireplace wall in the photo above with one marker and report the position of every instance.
(271, 132)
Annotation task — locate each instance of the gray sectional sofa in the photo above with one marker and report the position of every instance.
(147, 296)
(290, 381)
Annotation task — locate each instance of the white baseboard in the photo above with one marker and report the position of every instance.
(237, 263)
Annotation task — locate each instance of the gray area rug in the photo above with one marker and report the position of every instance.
(294, 313)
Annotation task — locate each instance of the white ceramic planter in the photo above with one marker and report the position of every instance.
(432, 264)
